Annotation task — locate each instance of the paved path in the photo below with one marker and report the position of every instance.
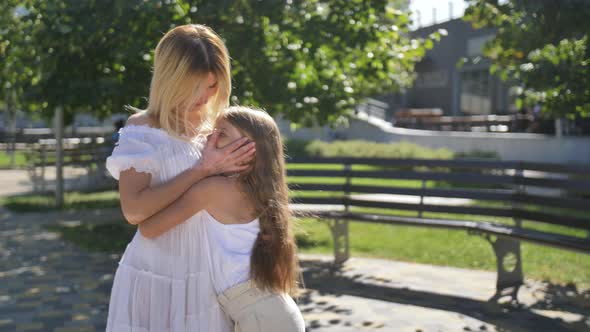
(17, 181)
(47, 284)
(374, 294)
(14, 182)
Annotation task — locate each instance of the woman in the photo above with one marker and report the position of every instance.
(252, 250)
(163, 284)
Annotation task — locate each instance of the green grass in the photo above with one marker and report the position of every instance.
(72, 201)
(19, 159)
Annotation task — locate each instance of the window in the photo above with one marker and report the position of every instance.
(475, 44)
(475, 90)
(432, 79)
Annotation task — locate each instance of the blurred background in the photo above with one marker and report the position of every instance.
(491, 80)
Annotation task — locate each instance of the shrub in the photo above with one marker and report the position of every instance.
(367, 149)
(479, 154)
(296, 147)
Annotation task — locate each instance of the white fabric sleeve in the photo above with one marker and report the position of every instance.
(132, 151)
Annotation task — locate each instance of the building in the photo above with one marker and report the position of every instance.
(469, 89)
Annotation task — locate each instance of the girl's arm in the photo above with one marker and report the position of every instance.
(139, 201)
(199, 197)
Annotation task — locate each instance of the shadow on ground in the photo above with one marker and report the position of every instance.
(322, 276)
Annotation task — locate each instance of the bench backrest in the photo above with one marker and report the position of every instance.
(486, 190)
(76, 151)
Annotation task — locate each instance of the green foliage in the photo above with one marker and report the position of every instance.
(314, 60)
(542, 45)
(296, 147)
(478, 154)
(366, 149)
(15, 62)
(310, 60)
(85, 55)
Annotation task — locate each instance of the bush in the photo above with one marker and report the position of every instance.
(367, 149)
(478, 154)
(296, 147)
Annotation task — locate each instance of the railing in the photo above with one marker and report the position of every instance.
(482, 123)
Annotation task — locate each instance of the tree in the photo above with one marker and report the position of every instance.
(544, 46)
(88, 56)
(15, 61)
(310, 60)
(313, 61)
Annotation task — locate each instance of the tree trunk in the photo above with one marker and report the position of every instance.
(59, 184)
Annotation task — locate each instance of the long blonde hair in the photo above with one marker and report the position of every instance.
(274, 264)
(185, 56)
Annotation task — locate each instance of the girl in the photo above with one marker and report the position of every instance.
(163, 284)
(252, 251)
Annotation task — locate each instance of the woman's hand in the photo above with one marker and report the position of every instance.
(233, 158)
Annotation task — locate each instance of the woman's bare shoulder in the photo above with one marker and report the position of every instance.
(142, 119)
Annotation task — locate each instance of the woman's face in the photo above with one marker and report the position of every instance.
(209, 91)
(227, 133)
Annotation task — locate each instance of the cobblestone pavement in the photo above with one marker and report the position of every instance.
(47, 284)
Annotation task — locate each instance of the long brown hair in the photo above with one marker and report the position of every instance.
(274, 263)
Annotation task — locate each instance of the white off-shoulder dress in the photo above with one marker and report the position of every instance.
(163, 284)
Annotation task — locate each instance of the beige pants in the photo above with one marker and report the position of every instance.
(253, 310)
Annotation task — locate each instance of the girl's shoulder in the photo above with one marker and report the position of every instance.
(228, 201)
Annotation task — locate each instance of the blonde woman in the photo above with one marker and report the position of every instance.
(251, 247)
(164, 284)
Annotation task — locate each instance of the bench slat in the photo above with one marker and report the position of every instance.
(505, 195)
(455, 177)
(451, 163)
(476, 210)
(555, 240)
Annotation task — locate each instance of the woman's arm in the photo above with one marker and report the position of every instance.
(139, 201)
(199, 197)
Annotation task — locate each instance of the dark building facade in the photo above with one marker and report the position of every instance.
(458, 90)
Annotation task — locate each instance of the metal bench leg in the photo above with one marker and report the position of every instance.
(339, 229)
(508, 261)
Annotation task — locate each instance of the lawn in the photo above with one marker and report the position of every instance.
(19, 159)
(72, 201)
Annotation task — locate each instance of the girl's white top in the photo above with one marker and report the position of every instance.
(170, 283)
(230, 251)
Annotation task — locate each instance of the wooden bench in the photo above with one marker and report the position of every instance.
(510, 199)
(88, 153)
